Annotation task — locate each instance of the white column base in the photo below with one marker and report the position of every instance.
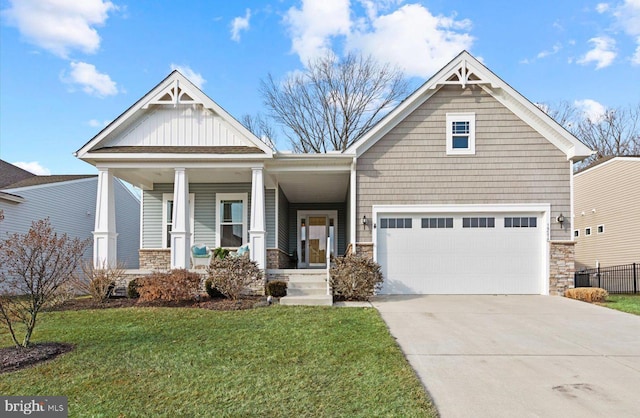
(258, 250)
(104, 249)
(180, 248)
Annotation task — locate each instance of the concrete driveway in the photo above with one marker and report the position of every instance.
(519, 356)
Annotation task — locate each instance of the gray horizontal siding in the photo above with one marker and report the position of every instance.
(513, 163)
(283, 222)
(71, 208)
(270, 217)
(204, 211)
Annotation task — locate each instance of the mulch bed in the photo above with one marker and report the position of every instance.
(14, 358)
(218, 304)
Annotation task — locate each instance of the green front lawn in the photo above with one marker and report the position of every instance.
(277, 361)
(624, 303)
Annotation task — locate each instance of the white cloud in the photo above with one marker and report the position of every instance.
(408, 36)
(60, 26)
(590, 109)
(33, 167)
(603, 52)
(90, 80)
(313, 25)
(556, 48)
(239, 24)
(635, 59)
(412, 38)
(185, 70)
(602, 7)
(95, 123)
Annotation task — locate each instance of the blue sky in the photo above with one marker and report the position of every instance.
(68, 67)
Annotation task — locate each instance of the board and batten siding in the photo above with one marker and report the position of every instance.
(182, 125)
(608, 195)
(270, 217)
(293, 222)
(71, 208)
(513, 163)
(204, 228)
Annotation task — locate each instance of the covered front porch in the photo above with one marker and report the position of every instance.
(285, 209)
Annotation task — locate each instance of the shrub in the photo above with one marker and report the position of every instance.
(587, 294)
(354, 277)
(99, 282)
(276, 288)
(212, 291)
(179, 284)
(220, 253)
(132, 288)
(232, 275)
(35, 268)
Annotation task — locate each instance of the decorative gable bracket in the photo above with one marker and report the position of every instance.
(174, 94)
(464, 74)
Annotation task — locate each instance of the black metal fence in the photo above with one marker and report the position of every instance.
(614, 279)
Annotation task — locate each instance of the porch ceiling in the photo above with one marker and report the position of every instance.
(145, 177)
(311, 187)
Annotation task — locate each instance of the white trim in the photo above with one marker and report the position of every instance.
(461, 117)
(571, 198)
(332, 214)
(588, 231)
(11, 197)
(352, 190)
(505, 94)
(598, 229)
(198, 97)
(277, 221)
(244, 197)
(576, 234)
(543, 208)
(141, 236)
(192, 210)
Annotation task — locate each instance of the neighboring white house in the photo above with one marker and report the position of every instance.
(457, 190)
(69, 201)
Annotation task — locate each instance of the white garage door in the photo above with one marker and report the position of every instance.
(461, 253)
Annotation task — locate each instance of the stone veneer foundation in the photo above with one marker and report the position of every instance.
(365, 249)
(278, 259)
(155, 259)
(561, 266)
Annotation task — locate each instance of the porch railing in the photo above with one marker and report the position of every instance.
(329, 247)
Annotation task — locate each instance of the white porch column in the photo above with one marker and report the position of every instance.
(257, 230)
(104, 235)
(180, 231)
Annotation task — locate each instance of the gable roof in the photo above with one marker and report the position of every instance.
(174, 90)
(10, 173)
(41, 180)
(466, 70)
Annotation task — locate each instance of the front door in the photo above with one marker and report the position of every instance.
(314, 229)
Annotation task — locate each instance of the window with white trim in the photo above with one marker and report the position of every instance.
(396, 223)
(461, 133)
(587, 232)
(231, 216)
(167, 217)
(576, 233)
(600, 229)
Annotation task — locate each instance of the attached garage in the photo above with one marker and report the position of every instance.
(462, 249)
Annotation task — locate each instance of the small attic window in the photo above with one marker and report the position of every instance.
(461, 133)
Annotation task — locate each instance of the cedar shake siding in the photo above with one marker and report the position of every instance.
(608, 195)
(512, 162)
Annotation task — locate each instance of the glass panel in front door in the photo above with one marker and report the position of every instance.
(317, 239)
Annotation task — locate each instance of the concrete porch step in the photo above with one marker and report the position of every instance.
(318, 291)
(323, 300)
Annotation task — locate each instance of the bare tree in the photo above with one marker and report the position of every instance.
(35, 266)
(334, 101)
(614, 133)
(260, 127)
